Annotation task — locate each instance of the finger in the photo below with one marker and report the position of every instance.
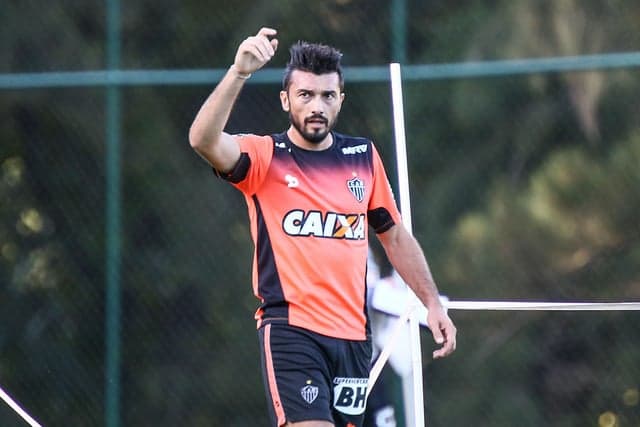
(269, 45)
(270, 49)
(437, 333)
(263, 45)
(267, 32)
(452, 336)
(449, 343)
(265, 48)
(252, 49)
(449, 347)
(442, 352)
(445, 350)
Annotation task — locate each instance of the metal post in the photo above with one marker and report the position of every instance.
(113, 223)
(399, 31)
(414, 409)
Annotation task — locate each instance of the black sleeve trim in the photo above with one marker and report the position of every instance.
(239, 171)
(380, 219)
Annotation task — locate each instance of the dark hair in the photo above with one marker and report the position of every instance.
(314, 58)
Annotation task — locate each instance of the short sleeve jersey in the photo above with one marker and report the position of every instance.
(310, 213)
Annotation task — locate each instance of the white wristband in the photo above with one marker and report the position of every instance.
(241, 76)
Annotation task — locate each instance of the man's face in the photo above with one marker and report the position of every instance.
(313, 102)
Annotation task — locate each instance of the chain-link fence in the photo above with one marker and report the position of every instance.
(524, 186)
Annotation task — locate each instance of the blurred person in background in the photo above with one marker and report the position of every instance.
(387, 298)
(381, 409)
(312, 194)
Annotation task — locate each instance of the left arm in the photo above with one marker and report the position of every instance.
(409, 261)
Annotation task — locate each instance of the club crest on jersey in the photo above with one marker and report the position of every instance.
(356, 187)
(309, 393)
(332, 225)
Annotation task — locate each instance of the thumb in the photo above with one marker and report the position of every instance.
(437, 333)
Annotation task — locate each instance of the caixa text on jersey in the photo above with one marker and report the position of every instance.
(333, 225)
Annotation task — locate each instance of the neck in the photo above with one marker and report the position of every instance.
(302, 142)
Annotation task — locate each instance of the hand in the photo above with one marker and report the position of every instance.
(443, 330)
(255, 51)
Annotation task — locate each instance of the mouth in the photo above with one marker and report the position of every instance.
(316, 121)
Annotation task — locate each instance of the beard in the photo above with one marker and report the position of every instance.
(315, 136)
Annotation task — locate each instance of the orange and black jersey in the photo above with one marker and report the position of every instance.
(310, 212)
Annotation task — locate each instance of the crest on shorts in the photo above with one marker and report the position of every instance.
(356, 187)
(309, 393)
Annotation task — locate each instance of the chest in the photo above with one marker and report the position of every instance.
(326, 181)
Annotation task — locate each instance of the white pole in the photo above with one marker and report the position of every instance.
(13, 405)
(389, 347)
(542, 305)
(417, 400)
(401, 143)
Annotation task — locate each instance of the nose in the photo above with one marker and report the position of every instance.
(317, 106)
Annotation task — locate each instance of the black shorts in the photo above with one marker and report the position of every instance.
(308, 376)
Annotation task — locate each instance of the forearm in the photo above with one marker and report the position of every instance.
(207, 135)
(407, 258)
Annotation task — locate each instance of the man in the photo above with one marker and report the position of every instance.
(312, 193)
(381, 403)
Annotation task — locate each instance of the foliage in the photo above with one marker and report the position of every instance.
(522, 187)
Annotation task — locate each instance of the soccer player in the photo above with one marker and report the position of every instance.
(312, 194)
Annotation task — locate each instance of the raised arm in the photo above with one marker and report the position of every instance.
(207, 135)
(407, 258)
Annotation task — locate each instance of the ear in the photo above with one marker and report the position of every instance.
(284, 100)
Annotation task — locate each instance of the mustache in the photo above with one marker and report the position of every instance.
(316, 117)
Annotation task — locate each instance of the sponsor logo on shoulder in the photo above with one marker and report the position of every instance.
(350, 395)
(356, 149)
